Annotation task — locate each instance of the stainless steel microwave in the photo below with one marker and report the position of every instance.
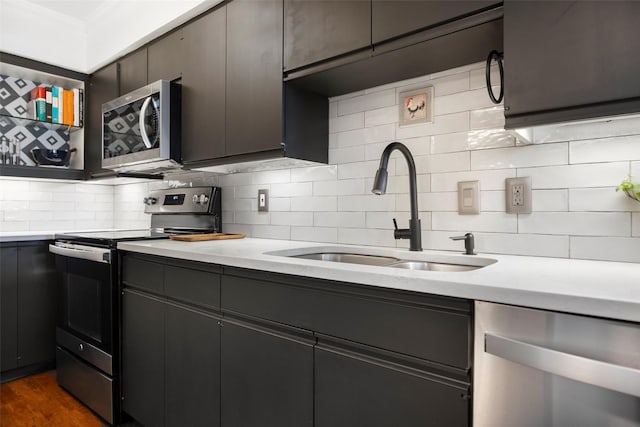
(141, 130)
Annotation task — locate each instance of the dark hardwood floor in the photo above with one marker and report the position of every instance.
(38, 401)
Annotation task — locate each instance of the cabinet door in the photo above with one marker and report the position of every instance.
(133, 71)
(8, 308)
(165, 58)
(203, 87)
(192, 368)
(103, 87)
(394, 18)
(357, 390)
(254, 76)
(143, 356)
(561, 55)
(37, 304)
(315, 30)
(267, 378)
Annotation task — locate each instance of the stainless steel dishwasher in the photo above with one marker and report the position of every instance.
(535, 368)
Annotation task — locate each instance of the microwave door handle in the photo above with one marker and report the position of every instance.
(92, 254)
(622, 379)
(142, 123)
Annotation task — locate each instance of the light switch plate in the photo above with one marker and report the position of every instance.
(518, 195)
(469, 197)
(263, 200)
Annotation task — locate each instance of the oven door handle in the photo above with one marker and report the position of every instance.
(82, 252)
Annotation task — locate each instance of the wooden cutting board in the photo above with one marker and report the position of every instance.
(207, 236)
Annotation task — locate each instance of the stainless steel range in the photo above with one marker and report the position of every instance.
(87, 333)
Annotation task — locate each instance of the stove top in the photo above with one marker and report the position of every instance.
(111, 237)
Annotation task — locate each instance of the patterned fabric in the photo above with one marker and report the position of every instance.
(19, 133)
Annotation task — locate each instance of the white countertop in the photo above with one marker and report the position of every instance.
(596, 288)
(22, 236)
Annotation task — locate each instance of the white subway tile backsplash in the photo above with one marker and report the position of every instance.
(437, 163)
(339, 188)
(271, 177)
(600, 200)
(366, 236)
(281, 232)
(462, 101)
(380, 133)
(300, 189)
(635, 171)
(606, 248)
(339, 219)
(523, 244)
(349, 138)
(247, 217)
(587, 130)
(488, 118)
(371, 202)
(576, 223)
(576, 176)
(347, 122)
(489, 179)
(314, 234)
(635, 224)
(492, 201)
(315, 173)
(384, 220)
(519, 157)
(292, 218)
(498, 222)
(605, 150)
(381, 116)
(314, 204)
(449, 123)
(361, 169)
(550, 200)
(347, 154)
(477, 78)
(367, 102)
(438, 202)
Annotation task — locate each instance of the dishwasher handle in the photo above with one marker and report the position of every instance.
(595, 372)
(83, 252)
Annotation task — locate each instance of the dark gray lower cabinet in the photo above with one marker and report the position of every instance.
(28, 307)
(171, 363)
(192, 368)
(354, 389)
(143, 358)
(267, 377)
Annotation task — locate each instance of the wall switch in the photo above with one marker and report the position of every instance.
(263, 200)
(518, 195)
(469, 197)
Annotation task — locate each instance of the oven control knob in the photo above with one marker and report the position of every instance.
(150, 201)
(204, 199)
(195, 199)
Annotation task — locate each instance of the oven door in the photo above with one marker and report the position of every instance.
(86, 293)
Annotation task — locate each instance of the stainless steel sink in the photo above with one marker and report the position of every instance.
(349, 258)
(433, 266)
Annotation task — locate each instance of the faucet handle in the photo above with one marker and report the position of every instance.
(395, 223)
(469, 243)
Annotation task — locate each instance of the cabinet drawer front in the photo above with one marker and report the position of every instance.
(143, 274)
(352, 391)
(430, 333)
(192, 286)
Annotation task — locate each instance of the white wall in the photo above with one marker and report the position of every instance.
(115, 27)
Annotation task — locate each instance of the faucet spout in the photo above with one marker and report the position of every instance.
(413, 233)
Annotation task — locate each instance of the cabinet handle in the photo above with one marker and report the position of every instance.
(498, 57)
(589, 371)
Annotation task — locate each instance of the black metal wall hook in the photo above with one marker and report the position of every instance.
(498, 56)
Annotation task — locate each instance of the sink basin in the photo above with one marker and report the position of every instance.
(433, 266)
(349, 258)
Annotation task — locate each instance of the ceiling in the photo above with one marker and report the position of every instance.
(91, 33)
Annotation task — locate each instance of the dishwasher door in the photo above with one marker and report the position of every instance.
(535, 368)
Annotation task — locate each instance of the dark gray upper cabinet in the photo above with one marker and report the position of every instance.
(133, 71)
(254, 76)
(315, 30)
(103, 87)
(165, 57)
(395, 18)
(570, 60)
(203, 87)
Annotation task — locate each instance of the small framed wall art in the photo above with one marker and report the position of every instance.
(415, 106)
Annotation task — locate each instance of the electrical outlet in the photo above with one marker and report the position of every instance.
(518, 195)
(263, 200)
